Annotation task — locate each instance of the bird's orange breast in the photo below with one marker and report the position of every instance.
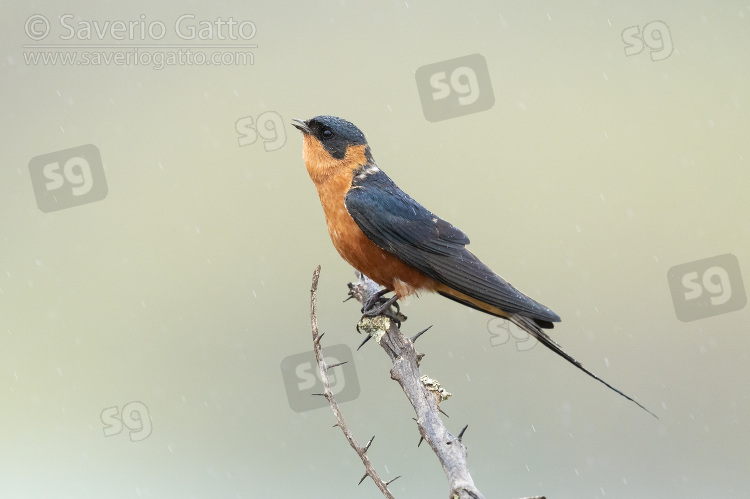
(352, 244)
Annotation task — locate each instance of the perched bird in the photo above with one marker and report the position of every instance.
(399, 244)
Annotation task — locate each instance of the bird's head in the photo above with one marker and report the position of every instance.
(332, 145)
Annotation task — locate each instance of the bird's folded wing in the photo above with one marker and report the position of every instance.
(398, 224)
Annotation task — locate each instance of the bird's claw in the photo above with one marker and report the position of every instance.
(377, 304)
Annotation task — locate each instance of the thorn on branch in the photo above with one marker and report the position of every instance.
(363, 343)
(461, 435)
(416, 336)
(392, 480)
(367, 447)
(363, 479)
(336, 365)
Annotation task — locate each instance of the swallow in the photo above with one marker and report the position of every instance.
(392, 239)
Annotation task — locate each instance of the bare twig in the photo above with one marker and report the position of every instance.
(323, 368)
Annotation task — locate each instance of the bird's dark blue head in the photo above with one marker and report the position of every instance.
(334, 134)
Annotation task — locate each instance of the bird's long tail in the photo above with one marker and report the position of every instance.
(534, 330)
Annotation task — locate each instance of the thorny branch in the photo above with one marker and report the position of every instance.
(424, 394)
(328, 394)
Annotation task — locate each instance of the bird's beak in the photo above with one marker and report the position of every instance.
(301, 126)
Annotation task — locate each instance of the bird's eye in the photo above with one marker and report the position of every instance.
(327, 134)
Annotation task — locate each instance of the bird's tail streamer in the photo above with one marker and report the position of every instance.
(534, 330)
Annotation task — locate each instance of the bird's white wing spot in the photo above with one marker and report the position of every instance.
(368, 170)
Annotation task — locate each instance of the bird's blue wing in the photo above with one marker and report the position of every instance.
(398, 224)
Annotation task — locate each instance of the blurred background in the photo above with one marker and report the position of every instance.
(159, 233)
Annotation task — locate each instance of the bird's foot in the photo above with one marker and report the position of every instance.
(378, 304)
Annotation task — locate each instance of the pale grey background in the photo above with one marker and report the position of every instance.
(591, 176)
